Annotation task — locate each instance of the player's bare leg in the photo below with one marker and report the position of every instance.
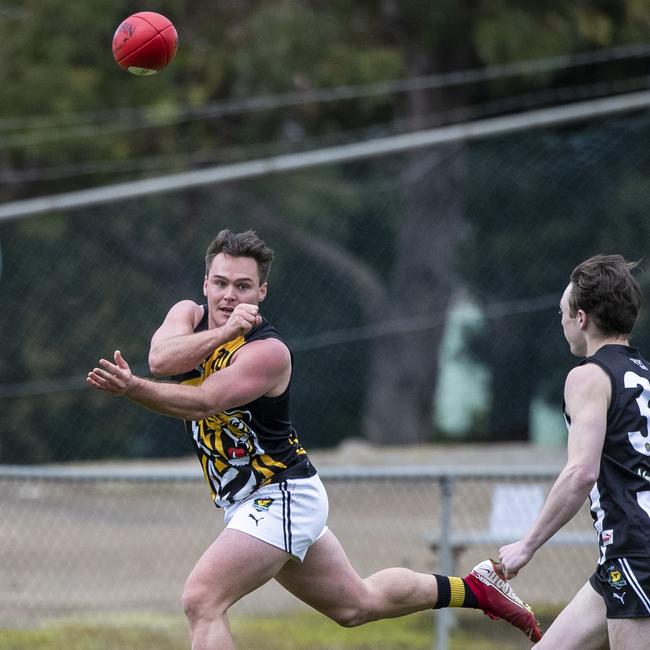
(234, 565)
(629, 633)
(327, 581)
(581, 625)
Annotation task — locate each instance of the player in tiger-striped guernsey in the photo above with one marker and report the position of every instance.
(607, 409)
(233, 375)
(245, 448)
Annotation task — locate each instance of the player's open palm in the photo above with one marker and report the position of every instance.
(114, 378)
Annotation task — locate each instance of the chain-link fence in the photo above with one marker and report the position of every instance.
(123, 540)
(375, 260)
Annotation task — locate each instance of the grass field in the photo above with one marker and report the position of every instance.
(304, 631)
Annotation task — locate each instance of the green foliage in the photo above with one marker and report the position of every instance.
(519, 34)
(56, 60)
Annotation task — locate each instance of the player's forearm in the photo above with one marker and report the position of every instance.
(182, 353)
(174, 400)
(565, 499)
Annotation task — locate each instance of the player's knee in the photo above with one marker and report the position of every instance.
(198, 602)
(191, 602)
(357, 608)
(350, 616)
(347, 618)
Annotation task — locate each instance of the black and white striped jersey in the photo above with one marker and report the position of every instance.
(620, 498)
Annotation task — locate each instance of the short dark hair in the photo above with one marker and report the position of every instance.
(604, 288)
(242, 244)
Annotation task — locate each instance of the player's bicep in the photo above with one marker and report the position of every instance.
(259, 369)
(587, 394)
(181, 319)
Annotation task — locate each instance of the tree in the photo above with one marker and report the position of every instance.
(397, 287)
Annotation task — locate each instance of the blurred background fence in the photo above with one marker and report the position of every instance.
(419, 290)
(91, 541)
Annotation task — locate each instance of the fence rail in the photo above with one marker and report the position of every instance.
(143, 474)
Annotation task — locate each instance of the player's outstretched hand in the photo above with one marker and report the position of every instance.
(114, 378)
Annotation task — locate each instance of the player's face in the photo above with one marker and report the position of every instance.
(229, 282)
(573, 331)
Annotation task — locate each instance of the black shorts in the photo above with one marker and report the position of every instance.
(624, 584)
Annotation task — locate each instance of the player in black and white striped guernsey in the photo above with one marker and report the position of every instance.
(607, 409)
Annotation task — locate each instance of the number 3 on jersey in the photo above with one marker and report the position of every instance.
(640, 441)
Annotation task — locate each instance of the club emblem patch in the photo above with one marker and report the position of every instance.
(262, 505)
(615, 578)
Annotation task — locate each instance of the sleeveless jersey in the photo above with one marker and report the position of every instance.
(620, 498)
(243, 448)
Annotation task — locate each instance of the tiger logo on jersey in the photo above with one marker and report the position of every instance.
(233, 460)
(229, 435)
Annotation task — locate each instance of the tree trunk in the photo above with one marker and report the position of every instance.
(404, 366)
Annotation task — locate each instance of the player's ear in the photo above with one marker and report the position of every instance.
(205, 285)
(262, 293)
(582, 318)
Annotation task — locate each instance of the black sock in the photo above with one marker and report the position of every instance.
(454, 592)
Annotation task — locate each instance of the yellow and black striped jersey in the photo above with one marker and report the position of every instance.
(243, 448)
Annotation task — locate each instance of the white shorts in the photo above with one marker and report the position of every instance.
(291, 514)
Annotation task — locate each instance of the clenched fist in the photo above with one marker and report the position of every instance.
(242, 319)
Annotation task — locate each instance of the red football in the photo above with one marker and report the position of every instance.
(145, 43)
